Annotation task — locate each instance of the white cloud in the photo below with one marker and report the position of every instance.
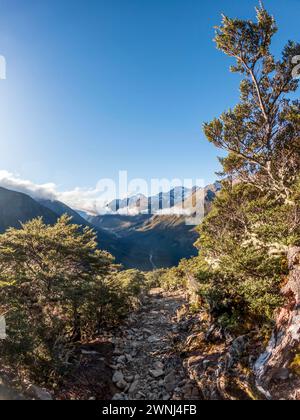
(175, 211)
(14, 182)
(129, 211)
(90, 200)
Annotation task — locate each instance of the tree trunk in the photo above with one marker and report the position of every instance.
(285, 339)
(76, 336)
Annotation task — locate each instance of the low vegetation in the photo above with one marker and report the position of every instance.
(58, 289)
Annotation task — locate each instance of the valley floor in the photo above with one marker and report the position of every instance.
(146, 362)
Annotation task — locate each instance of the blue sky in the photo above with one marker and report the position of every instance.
(98, 86)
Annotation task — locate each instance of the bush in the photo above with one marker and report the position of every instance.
(57, 289)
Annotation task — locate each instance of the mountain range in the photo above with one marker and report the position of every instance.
(141, 203)
(142, 241)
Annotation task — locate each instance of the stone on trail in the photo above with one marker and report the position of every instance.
(158, 365)
(153, 339)
(121, 359)
(147, 331)
(147, 367)
(133, 387)
(118, 376)
(156, 373)
(122, 384)
(129, 357)
(170, 382)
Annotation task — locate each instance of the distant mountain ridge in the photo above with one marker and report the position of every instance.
(142, 241)
(17, 208)
(164, 238)
(151, 204)
(60, 208)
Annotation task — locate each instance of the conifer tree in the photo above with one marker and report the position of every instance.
(255, 221)
(262, 132)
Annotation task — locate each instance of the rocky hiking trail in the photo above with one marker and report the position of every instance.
(146, 361)
(162, 351)
(140, 360)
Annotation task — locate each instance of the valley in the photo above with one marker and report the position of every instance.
(141, 241)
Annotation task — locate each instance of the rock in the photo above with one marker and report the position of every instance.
(89, 353)
(129, 357)
(133, 387)
(206, 363)
(153, 339)
(117, 397)
(38, 393)
(147, 331)
(129, 378)
(113, 367)
(170, 382)
(195, 393)
(158, 365)
(156, 373)
(187, 389)
(121, 359)
(117, 377)
(122, 384)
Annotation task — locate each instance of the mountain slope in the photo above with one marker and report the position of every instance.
(142, 241)
(107, 239)
(60, 208)
(149, 241)
(17, 207)
(119, 225)
(166, 239)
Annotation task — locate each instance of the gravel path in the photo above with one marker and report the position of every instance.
(146, 362)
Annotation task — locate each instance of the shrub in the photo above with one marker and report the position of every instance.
(58, 288)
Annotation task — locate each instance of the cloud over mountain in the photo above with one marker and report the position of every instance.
(101, 199)
(81, 199)
(14, 182)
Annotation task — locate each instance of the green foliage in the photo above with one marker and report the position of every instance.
(58, 289)
(244, 240)
(172, 279)
(153, 278)
(256, 217)
(261, 133)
